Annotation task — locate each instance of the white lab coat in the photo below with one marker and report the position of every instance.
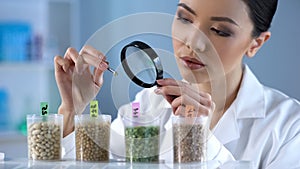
(262, 125)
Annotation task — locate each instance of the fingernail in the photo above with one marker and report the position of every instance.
(159, 80)
(103, 66)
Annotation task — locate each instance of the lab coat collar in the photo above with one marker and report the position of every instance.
(250, 94)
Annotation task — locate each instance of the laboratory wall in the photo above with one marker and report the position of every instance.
(278, 63)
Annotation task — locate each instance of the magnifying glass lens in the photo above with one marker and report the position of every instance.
(141, 64)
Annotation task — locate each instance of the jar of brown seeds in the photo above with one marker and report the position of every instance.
(189, 139)
(92, 137)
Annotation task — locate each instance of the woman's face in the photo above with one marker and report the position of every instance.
(209, 31)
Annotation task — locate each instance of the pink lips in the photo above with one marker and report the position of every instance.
(192, 63)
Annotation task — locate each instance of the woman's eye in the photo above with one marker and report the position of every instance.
(220, 33)
(183, 19)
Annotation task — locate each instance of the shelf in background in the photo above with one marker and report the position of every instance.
(27, 84)
(26, 65)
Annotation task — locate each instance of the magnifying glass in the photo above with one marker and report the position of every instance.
(141, 64)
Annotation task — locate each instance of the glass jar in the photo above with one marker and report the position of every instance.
(142, 138)
(44, 135)
(189, 139)
(92, 137)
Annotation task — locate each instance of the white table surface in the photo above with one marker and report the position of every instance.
(23, 163)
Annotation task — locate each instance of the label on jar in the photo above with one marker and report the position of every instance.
(135, 109)
(94, 108)
(44, 108)
(189, 111)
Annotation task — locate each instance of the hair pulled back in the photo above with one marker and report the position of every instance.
(261, 13)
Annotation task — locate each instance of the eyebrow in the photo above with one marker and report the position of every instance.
(214, 18)
(223, 19)
(185, 6)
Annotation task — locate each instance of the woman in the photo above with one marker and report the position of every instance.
(253, 122)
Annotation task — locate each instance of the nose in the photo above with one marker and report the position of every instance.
(196, 40)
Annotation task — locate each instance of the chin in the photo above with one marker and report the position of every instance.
(195, 77)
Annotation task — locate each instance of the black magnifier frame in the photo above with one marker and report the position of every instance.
(151, 54)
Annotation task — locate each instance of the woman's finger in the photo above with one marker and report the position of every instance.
(184, 94)
(183, 85)
(61, 64)
(179, 111)
(98, 74)
(93, 60)
(168, 82)
(92, 56)
(185, 100)
(71, 54)
(186, 111)
(91, 51)
(200, 97)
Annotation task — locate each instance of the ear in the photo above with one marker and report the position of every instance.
(257, 43)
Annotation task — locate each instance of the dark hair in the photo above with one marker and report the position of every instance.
(261, 13)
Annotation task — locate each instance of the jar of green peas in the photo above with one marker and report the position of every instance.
(142, 136)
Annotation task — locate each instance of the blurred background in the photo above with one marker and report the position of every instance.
(32, 32)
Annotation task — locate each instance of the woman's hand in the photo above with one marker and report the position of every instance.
(76, 83)
(183, 97)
